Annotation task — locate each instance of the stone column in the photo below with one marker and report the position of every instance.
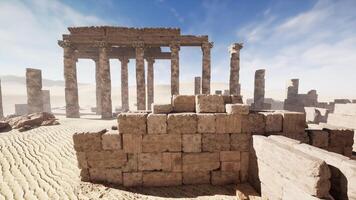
(206, 69)
(150, 82)
(46, 98)
(292, 88)
(235, 68)
(140, 77)
(259, 93)
(106, 106)
(124, 84)
(70, 79)
(98, 86)
(34, 90)
(175, 47)
(197, 85)
(1, 107)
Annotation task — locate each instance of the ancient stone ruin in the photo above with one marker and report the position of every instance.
(1, 108)
(34, 90)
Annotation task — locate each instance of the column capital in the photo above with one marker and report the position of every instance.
(150, 60)
(235, 47)
(175, 46)
(207, 46)
(124, 59)
(138, 44)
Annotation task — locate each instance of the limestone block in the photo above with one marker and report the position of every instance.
(196, 177)
(224, 178)
(212, 142)
(157, 124)
(242, 109)
(206, 123)
(84, 175)
(340, 137)
(240, 141)
(253, 123)
(149, 161)
(111, 140)
(227, 99)
(132, 143)
(114, 176)
(106, 159)
(200, 161)
(293, 122)
(161, 108)
(273, 121)
(183, 103)
(230, 166)
(348, 151)
(319, 138)
(132, 163)
(230, 156)
(132, 179)
(172, 162)
(338, 150)
(244, 166)
(162, 179)
(97, 175)
(162, 143)
(132, 123)
(82, 160)
(180, 123)
(88, 141)
(236, 99)
(209, 103)
(226, 123)
(192, 142)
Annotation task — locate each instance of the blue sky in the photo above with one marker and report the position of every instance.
(314, 40)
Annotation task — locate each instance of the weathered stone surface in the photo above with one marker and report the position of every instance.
(97, 175)
(253, 123)
(157, 124)
(242, 109)
(180, 123)
(84, 175)
(293, 122)
(235, 68)
(206, 123)
(105, 80)
(4, 126)
(200, 161)
(111, 140)
(224, 177)
(245, 156)
(161, 143)
(106, 159)
(209, 104)
(82, 160)
(319, 138)
(172, 162)
(273, 121)
(106, 175)
(240, 142)
(161, 108)
(88, 141)
(230, 166)
(183, 103)
(34, 90)
(206, 74)
(259, 92)
(150, 82)
(132, 179)
(46, 99)
(162, 178)
(340, 137)
(1, 107)
(124, 84)
(196, 177)
(132, 123)
(132, 143)
(149, 161)
(132, 163)
(197, 85)
(140, 77)
(215, 142)
(236, 99)
(174, 47)
(226, 123)
(192, 142)
(230, 156)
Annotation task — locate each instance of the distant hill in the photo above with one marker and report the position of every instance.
(8, 79)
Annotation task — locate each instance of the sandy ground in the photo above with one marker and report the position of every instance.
(41, 164)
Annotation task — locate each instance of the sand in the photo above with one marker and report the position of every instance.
(41, 164)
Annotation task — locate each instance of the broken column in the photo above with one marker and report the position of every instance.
(124, 84)
(175, 47)
(197, 82)
(106, 106)
(235, 68)
(150, 82)
(259, 92)
(46, 98)
(34, 90)
(1, 108)
(98, 87)
(292, 88)
(206, 74)
(140, 77)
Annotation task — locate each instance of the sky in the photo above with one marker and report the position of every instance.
(313, 40)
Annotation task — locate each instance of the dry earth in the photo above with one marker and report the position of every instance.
(41, 164)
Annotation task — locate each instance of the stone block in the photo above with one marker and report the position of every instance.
(149, 161)
(200, 161)
(227, 99)
(132, 123)
(206, 123)
(132, 143)
(111, 140)
(106, 159)
(180, 123)
(242, 109)
(293, 122)
(253, 123)
(132, 163)
(101, 175)
(226, 123)
(230, 166)
(183, 103)
(82, 160)
(192, 142)
(196, 177)
(224, 178)
(162, 179)
(88, 141)
(319, 138)
(209, 103)
(348, 151)
(172, 162)
(212, 142)
(132, 179)
(236, 99)
(273, 122)
(230, 156)
(161, 108)
(244, 166)
(161, 143)
(157, 123)
(97, 175)
(84, 175)
(240, 141)
(340, 137)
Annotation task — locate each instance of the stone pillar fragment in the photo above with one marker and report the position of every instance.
(175, 47)
(140, 77)
(1, 107)
(34, 90)
(235, 68)
(197, 85)
(259, 92)
(206, 71)
(292, 88)
(106, 106)
(46, 98)
(70, 79)
(150, 82)
(98, 87)
(124, 84)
